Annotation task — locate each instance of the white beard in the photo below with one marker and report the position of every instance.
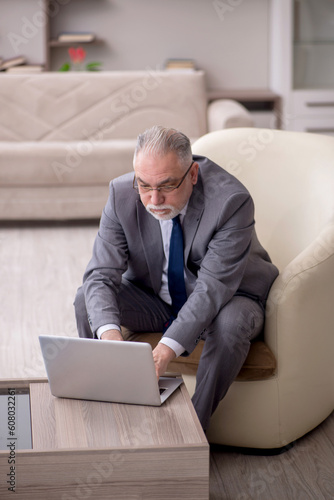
(170, 215)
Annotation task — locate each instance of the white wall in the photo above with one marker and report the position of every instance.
(22, 30)
(228, 39)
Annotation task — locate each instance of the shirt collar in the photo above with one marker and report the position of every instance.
(182, 214)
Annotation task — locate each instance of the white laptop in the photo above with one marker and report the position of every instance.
(104, 370)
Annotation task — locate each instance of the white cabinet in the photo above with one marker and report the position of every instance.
(302, 63)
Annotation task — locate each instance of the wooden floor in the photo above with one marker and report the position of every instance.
(41, 267)
(305, 472)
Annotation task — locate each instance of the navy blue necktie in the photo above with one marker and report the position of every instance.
(176, 284)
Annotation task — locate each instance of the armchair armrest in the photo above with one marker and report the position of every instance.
(300, 324)
(227, 113)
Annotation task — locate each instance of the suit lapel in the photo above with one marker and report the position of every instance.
(151, 240)
(193, 216)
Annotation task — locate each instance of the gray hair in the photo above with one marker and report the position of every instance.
(160, 141)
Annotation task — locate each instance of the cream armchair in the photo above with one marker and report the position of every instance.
(286, 386)
(291, 178)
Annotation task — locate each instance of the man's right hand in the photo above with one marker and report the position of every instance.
(111, 335)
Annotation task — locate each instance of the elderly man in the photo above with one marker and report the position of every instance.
(177, 252)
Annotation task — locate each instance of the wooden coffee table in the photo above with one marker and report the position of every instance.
(87, 449)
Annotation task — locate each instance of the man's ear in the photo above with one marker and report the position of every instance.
(194, 173)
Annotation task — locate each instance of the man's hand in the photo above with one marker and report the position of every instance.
(162, 355)
(111, 335)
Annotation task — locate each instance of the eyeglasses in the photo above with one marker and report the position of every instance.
(142, 188)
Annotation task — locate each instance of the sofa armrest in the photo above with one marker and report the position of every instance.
(226, 113)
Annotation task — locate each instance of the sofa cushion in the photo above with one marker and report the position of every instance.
(20, 203)
(75, 163)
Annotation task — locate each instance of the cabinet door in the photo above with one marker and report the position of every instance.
(313, 43)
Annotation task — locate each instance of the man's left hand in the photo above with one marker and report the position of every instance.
(162, 355)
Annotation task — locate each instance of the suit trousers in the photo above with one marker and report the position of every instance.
(227, 338)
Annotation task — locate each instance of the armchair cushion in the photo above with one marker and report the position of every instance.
(259, 365)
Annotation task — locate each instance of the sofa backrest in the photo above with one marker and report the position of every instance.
(104, 105)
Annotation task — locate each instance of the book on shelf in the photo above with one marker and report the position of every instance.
(76, 37)
(26, 68)
(13, 61)
(180, 64)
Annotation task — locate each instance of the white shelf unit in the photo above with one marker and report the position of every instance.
(302, 63)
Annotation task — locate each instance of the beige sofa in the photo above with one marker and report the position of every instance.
(64, 136)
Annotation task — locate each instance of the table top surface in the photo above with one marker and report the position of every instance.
(59, 423)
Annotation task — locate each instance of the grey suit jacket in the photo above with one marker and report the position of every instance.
(222, 254)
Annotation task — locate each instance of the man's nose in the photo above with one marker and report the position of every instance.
(157, 197)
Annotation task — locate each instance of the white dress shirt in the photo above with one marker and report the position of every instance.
(166, 227)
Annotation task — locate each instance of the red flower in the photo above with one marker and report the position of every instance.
(77, 55)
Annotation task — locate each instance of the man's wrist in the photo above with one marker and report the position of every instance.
(173, 344)
(105, 328)
(112, 335)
